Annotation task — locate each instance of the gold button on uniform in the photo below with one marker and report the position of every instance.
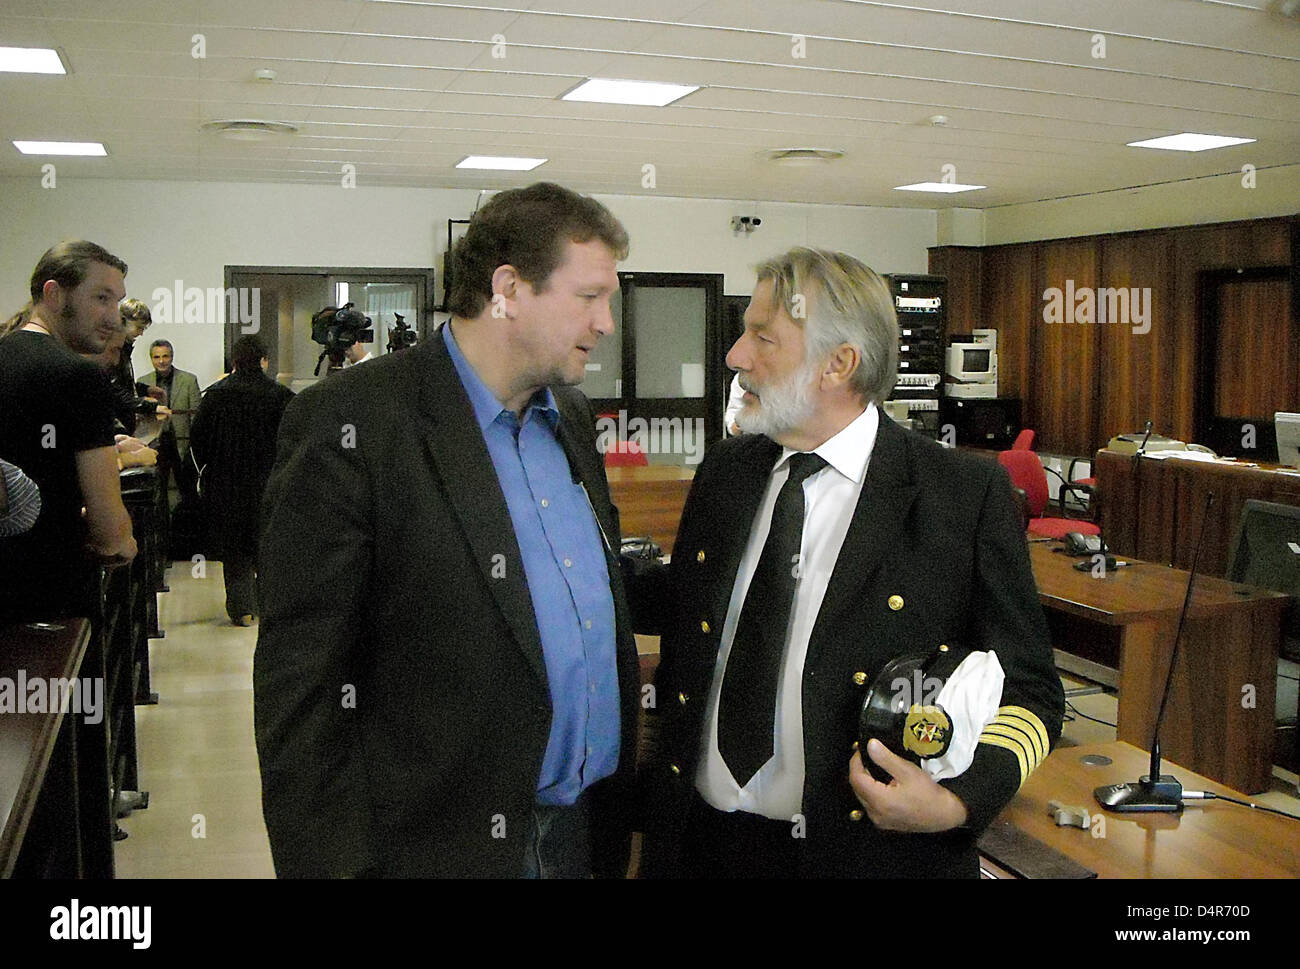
(855, 815)
(675, 769)
(895, 602)
(859, 678)
(704, 625)
(699, 556)
(681, 698)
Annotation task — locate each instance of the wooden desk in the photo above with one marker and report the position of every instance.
(650, 500)
(1153, 509)
(1128, 620)
(55, 820)
(1210, 839)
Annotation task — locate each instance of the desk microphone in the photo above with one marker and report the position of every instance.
(1136, 473)
(1141, 448)
(1156, 791)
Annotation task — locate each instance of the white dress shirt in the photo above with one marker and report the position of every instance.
(830, 498)
(735, 401)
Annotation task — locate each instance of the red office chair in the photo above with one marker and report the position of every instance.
(626, 454)
(1024, 441)
(1087, 486)
(1027, 474)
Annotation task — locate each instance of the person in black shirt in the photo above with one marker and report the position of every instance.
(128, 403)
(234, 441)
(58, 427)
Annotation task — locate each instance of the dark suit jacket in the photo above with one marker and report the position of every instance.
(937, 528)
(401, 701)
(233, 440)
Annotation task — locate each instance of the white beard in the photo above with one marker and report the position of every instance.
(781, 408)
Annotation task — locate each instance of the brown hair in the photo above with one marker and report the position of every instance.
(67, 264)
(136, 311)
(526, 228)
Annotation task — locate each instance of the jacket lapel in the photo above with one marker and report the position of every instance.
(735, 520)
(461, 460)
(887, 495)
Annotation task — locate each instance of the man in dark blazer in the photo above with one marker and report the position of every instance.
(445, 680)
(233, 440)
(893, 545)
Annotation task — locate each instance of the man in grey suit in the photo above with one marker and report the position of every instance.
(446, 682)
(183, 396)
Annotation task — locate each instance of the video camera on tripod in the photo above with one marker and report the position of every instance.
(336, 328)
(401, 336)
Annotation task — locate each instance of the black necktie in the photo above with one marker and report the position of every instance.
(747, 705)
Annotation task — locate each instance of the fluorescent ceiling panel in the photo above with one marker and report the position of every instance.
(31, 60)
(60, 148)
(500, 163)
(1189, 141)
(649, 93)
(945, 187)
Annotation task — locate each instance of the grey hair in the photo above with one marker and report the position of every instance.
(838, 299)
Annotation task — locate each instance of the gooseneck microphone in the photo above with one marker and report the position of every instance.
(1156, 791)
(1135, 472)
(1146, 436)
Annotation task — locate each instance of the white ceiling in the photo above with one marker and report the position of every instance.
(403, 89)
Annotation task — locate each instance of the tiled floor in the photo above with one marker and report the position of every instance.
(196, 752)
(198, 762)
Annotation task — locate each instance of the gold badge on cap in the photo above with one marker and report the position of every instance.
(927, 731)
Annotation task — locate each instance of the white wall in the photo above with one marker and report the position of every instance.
(1220, 198)
(190, 231)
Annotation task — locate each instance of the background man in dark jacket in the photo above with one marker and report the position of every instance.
(234, 440)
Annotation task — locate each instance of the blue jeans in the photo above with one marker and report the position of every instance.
(559, 841)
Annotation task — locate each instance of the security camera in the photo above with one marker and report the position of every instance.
(745, 223)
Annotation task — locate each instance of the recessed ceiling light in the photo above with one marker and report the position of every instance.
(651, 93)
(802, 157)
(31, 60)
(60, 148)
(946, 187)
(1189, 141)
(500, 163)
(245, 129)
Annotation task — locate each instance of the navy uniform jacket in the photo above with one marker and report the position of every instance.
(935, 554)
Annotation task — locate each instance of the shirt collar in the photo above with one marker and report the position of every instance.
(848, 451)
(486, 406)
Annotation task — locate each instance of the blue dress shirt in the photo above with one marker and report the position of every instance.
(568, 581)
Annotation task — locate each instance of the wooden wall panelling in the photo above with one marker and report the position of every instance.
(964, 267)
(1066, 386)
(1257, 369)
(1080, 386)
(1264, 242)
(1010, 305)
(1137, 369)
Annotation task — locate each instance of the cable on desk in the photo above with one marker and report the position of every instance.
(1209, 796)
(1079, 713)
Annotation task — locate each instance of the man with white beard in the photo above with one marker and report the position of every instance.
(818, 546)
